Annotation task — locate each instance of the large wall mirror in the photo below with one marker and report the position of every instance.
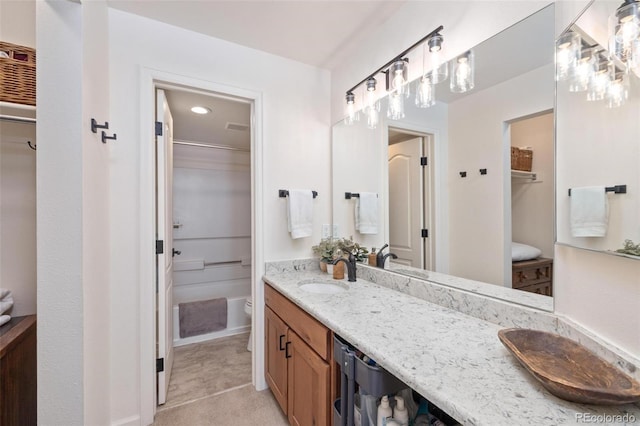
(598, 137)
(469, 203)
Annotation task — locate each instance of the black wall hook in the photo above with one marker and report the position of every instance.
(483, 171)
(463, 174)
(105, 137)
(95, 126)
(33, 147)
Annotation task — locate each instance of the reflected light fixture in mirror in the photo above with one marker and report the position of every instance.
(618, 91)
(352, 113)
(584, 70)
(462, 73)
(600, 80)
(567, 54)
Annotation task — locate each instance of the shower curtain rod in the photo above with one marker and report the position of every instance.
(17, 118)
(204, 145)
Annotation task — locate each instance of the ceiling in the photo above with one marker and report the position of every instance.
(315, 32)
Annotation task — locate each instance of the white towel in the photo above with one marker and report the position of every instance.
(589, 211)
(366, 213)
(4, 319)
(6, 300)
(300, 213)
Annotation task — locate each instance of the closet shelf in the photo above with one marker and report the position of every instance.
(519, 174)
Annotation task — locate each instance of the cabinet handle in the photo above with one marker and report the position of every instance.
(281, 336)
(286, 350)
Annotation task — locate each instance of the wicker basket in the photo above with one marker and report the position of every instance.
(521, 159)
(18, 74)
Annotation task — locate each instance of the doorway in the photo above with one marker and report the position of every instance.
(411, 205)
(151, 81)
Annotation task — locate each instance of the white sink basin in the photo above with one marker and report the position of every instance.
(321, 287)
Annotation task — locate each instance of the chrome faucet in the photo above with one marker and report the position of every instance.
(351, 267)
(382, 258)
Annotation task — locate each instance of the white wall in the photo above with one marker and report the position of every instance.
(477, 203)
(532, 202)
(18, 22)
(295, 135)
(18, 215)
(72, 215)
(59, 215)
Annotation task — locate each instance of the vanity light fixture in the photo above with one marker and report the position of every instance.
(200, 110)
(397, 73)
(434, 52)
(352, 114)
(462, 73)
(371, 104)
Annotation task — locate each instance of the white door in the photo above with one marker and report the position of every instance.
(406, 202)
(164, 229)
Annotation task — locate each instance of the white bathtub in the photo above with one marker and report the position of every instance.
(237, 322)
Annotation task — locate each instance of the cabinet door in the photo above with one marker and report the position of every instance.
(309, 380)
(275, 362)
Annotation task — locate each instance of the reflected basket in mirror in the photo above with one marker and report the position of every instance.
(521, 159)
(17, 74)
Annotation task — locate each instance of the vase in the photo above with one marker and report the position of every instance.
(330, 268)
(323, 266)
(338, 271)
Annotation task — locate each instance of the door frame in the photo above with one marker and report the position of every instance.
(150, 79)
(437, 196)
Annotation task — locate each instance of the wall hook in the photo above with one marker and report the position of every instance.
(105, 137)
(463, 174)
(33, 147)
(95, 126)
(483, 171)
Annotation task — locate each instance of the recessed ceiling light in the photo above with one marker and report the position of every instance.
(200, 110)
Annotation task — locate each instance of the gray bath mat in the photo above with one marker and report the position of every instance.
(203, 316)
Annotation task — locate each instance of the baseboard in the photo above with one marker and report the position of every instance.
(211, 336)
(129, 421)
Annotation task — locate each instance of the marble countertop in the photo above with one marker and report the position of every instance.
(454, 360)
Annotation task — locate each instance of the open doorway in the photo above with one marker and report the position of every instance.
(204, 249)
(532, 203)
(411, 201)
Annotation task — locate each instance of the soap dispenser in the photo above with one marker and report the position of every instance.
(401, 414)
(372, 257)
(384, 411)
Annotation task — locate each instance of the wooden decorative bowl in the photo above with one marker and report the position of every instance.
(568, 370)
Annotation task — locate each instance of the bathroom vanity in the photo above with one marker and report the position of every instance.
(453, 359)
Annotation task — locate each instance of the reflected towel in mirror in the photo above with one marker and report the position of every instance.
(589, 211)
(6, 300)
(366, 213)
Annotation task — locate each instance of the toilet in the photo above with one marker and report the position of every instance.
(248, 308)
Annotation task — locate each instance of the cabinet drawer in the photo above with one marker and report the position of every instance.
(541, 288)
(312, 332)
(531, 272)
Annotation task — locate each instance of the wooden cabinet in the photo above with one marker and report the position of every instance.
(297, 361)
(18, 372)
(535, 276)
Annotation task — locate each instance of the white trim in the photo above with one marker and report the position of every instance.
(149, 79)
(127, 421)
(440, 215)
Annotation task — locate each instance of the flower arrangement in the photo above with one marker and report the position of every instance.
(326, 249)
(347, 245)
